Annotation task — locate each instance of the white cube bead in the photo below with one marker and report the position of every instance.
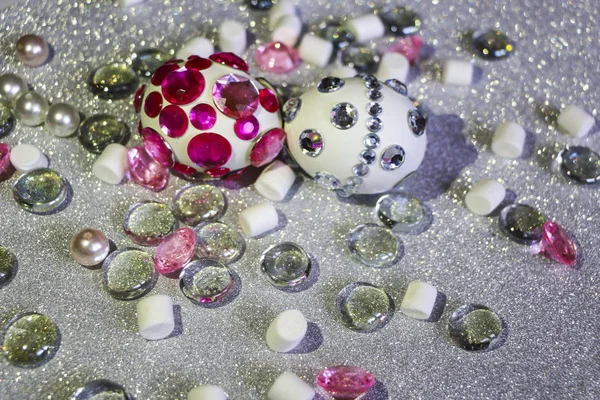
(207, 392)
(509, 140)
(344, 71)
(366, 27)
(485, 196)
(27, 157)
(155, 317)
(129, 3)
(199, 46)
(275, 181)
(112, 165)
(419, 300)
(315, 50)
(575, 121)
(288, 30)
(280, 10)
(232, 37)
(457, 72)
(288, 386)
(286, 331)
(258, 219)
(393, 66)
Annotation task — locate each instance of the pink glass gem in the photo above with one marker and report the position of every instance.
(184, 169)
(277, 57)
(231, 60)
(173, 121)
(246, 128)
(153, 104)
(183, 86)
(345, 382)
(203, 116)
(137, 98)
(155, 146)
(268, 100)
(162, 71)
(408, 46)
(267, 147)
(176, 250)
(235, 96)
(198, 63)
(556, 244)
(209, 150)
(146, 171)
(6, 168)
(217, 172)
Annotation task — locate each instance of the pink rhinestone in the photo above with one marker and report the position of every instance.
(6, 168)
(209, 150)
(183, 86)
(217, 172)
(173, 121)
(235, 96)
(198, 63)
(156, 147)
(277, 57)
(345, 382)
(231, 60)
(153, 104)
(246, 128)
(137, 98)
(146, 171)
(160, 74)
(409, 47)
(184, 169)
(176, 250)
(267, 147)
(203, 116)
(268, 100)
(556, 244)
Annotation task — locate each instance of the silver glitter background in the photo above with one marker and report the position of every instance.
(552, 311)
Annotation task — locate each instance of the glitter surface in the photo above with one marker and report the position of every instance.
(552, 312)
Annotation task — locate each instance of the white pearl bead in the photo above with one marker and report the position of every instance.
(457, 72)
(62, 119)
(288, 386)
(31, 108)
(32, 50)
(575, 121)
(485, 196)
(11, 86)
(155, 317)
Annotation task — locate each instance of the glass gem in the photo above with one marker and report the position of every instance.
(364, 307)
(556, 245)
(101, 389)
(372, 84)
(360, 170)
(173, 121)
(327, 181)
(374, 124)
(113, 81)
(400, 21)
(336, 33)
(267, 147)
(286, 264)
(246, 128)
(522, 223)
(345, 382)
(198, 63)
(400, 211)
(183, 86)
(145, 170)
(343, 116)
(137, 98)
(360, 57)
(235, 96)
(153, 104)
(375, 95)
(261, 5)
(371, 141)
(277, 57)
(100, 130)
(203, 116)
(374, 245)
(5, 165)
(209, 150)
(580, 163)
(40, 191)
(330, 84)
(230, 60)
(492, 44)
(205, 281)
(409, 47)
(374, 109)
(392, 157)
(311, 142)
(8, 266)
(417, 122)
(194, 204)
(397, 86)
(219, 241)
(7, 120)
(146, 62)
(291, 108)
(268, 99)
(161, 73)
(156, 146)
(175, 251)
(148, 222)
(351, 187)
(475, 327)
(30, 340)
(367, 157)
(128, 274)
(183, 169)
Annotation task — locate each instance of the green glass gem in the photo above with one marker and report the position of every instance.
(364, 307)
(475, 327)
(7, 120)
(146, 62)
(522, 223)
(129, 274)
(40, 191)
(98, 131)
(113, 81)
(148, 222)
(8, 266)
(30, 340)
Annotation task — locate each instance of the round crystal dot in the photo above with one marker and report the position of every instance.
(148, 222)
(374, 108)
(147, 61)
(194, 204)
(392, 157)
(173, 121)
(209, 150)
(397, 86)
(7, 120)
(101, 389)
(330, 84)
(291, 108)
(374, 94)
(492, 44)
(267, 147)
(522, 223)
(100, 130)
(327, 181)
(235, 96)
(203, 116)
(128, 274)
(475, 327)
(30, 340)
(311, 142)
(246, 128)
(364, 307)
(205, 281)
(278, 58)
(286, 264)
(371, 141)
(580, 163)
(113, 81)
(156, 146)
(360, 170)
(400, 211)
(153, 104)
(373, 245)
(367, 157)
(374, 124)
(40, 191)
(345, 381)
(343, 116)
(337, 33)
(8, 266)
(219, 241)
(417, 122)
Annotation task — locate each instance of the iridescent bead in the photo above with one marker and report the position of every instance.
(148, 222)
(31, 108)
(90, 247)
(32, 50)
(11, 86)
(62, 119)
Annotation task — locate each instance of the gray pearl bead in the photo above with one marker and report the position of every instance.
(31, 108)
(62, 119)
(32, 50)
(11, 86)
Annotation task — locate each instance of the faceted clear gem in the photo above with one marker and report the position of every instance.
(146, 62)
(475, 327)
(40, 191)
(371, 141)
(7, 120)
(161, 73)
(101, 389)
(327, 181)
(400, 211)
(267, 147)
(246, 128)
(364, 307)
(219, 241)
(209, 150)
(522, 223)
(291, 108)
(366, 77)
(153, 104)
(175, 251)
(397, 86)
(360, 57)
(100, 130)
(345, 382)
(286, 264)
(148, 222)
(145, 170)
(374, 109)
(409, 47)
(30, 340)
(128, 274)
(261, 5)
(278, 58)
(205, 281)
(351, 187)
(417, 122)
(492, 44)
(183, 86)
(330, 84)
(400, 21)
(372, 84)
(374, 245)
(230, 60)
(193, 204)
(336, 32)
(156, 146)
(137, 98)
(392, 157)
(360, 170)
(235, 96)
(268, 99)
(198, 63)
(8, 266)
(311, 142)
(556, 244)
(374, 124)
(203, 116)
(375, 95)
(343, 116)
(113, 81)
(367, 157)
(580, 163)
(173, 121)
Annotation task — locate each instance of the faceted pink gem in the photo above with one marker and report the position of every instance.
(183, 86)
(217, 172)
(6, 168)
(345, 382)
(277, 57)
(267, 147)
(153, 104)
(408, 46)
(184, 169)
(231, 60)
(556, 244)
(155, 146)
(173, 121)
(268, 100)
(235, 96)
(137, 98)
(176, 250)
(209, 150)
(203, 116)
(246, 128)
(162, 71)
(146, 171)
(198, 63)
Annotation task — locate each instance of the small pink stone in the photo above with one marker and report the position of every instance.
(153, 104)
(217, 172)
(203, 116)
(155, 146)
(231, 60)
(176, 250)
(183, 169)
(146, 171)
(209, 150)
(235, 96)
(556, 244)
(6, 168)
(246, 128)
(268, 100)
(277, 57)
(345, 382)
(183, 86)
(173, 121)
(198, 63)
(162, 71)
(267, 147)
(137, 98)
(408, 46)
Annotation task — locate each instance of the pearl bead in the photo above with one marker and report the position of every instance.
(32, 50)
(31, 108)
(89, 247)
(11, 86)
(62, 119)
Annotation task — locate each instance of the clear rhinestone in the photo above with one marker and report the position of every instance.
(417, 122)
(364, 307)
(373, 84)
(286, 264)
(360, 170)
(374, 124)
(367, 157)
(522, 223)
(475, 327)
(343, 116)
(374, 94)
(330, 84)
(397, 86)
(392, 157)
(327, 181)
(366, 77)
(580, 163)
(290, 109)
(371, 141)
(400, 211)
(492, 44)
(400, 21)
(374, 108)
(360, 57)
(311, 142)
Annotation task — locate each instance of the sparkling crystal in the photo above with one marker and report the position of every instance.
(209, 150)
(100, 130)
(522, 223)
(367, 157)
(7, 120)
(492, 44)
(345, 382)
(235, 96)
(40, 191)
(330, 84)
(409, 47)
(198, 63)
(475, 327)
(327, 181)
(417, 122)
(113, 81)
(205, 281)
(176, 250)
(392, 157)
(360, 170)
(183, 86)
(375, 95)
(580, 163)
(146, 62)
(374, 108)
(148, 222)
(374, 124)
(261, 5)
(157, 147)
(343, 116)
(400, 20)
(153, 104)
(336, 33)
(400, 211)
(30, 340)
(203, 116)
(278, 58)
(556, 245)
(373, 84)
(173, 121)
(268, 99)
(374, 245)
(219, 241)
(291, 108)
(360, 57)
(371, 141)
(286, 264)
(364, 307)
(161, 73)
(397, 86)
(267, 147)
(128, 274)
(311, 142)
(351, 187)
(145, 170)
(246, 128)
(193, 204)
(231, 60)
(8, 266)
(137, 98)
(101, 389)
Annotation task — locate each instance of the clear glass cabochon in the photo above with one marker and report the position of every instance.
(128, 274)
(42, 191)
(364, 307)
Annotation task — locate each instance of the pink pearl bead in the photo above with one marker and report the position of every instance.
(32, 50)
(89, 247)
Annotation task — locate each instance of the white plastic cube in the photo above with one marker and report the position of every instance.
(575, 121)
